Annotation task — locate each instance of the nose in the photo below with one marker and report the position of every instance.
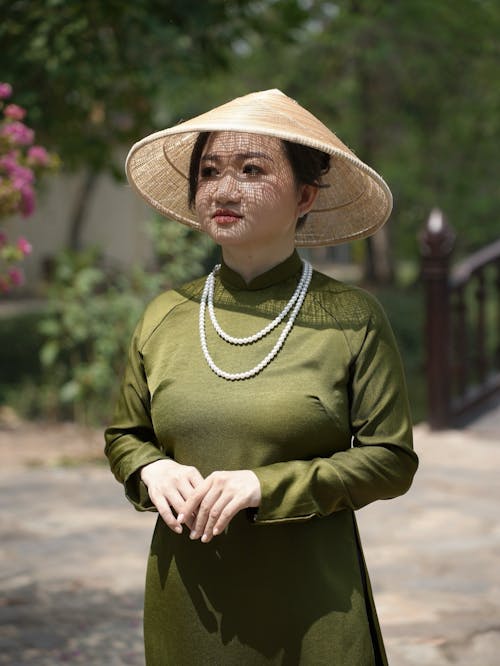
(228, 189)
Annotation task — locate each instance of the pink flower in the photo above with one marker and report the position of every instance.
(16, 276)
(21, 176)
(14, 112)
(18, 133)
(24, 245)
(38, 155)
(5, 90)
(27, 200)
(8, 162)
(21, 179)
(18, 174)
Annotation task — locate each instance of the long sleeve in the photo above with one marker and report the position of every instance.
(130, 439)
(381, 462)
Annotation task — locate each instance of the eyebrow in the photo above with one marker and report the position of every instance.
(213, 157)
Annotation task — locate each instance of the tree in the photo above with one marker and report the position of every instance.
(413, 87)
(97, 75)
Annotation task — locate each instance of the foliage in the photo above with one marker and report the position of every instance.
(38, 391)
(413, 87)
(21, 164)
(404, 308)
(20, 342)
(91, 314)
(100, 74)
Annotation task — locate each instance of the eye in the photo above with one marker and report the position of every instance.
(252, 169)
(208, 171)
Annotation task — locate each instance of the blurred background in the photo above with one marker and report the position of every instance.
(412, 87)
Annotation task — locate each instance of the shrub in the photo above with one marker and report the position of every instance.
(405, 311)
(92, 311)
(22, 164)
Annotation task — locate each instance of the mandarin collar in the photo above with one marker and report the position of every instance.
(283, 271)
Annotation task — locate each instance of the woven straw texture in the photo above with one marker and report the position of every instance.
(356, 203)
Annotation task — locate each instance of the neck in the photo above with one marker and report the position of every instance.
(250, 265)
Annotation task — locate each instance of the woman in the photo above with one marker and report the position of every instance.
(264, 404)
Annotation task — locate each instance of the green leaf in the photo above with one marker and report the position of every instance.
(49, 353)
(70, 391)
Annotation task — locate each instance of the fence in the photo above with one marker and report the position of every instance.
(462, 333)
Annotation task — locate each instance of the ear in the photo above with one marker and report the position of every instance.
(307, 197)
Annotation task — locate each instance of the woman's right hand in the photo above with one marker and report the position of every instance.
(169, 485)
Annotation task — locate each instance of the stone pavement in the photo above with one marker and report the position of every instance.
(73, 553)
(434, 555)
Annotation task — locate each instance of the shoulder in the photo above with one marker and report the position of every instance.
(354, 312)
(347, 304)
(164, 306)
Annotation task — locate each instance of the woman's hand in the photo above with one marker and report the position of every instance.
(169, 485)
(217, 500)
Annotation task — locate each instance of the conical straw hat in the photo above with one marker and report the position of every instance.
(356, 203)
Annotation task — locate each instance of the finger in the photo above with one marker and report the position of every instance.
(190, 507)
(185, 493)
(187, 520)
(165, 512)
(222, 520)
(214, 516)
(175, 500)
(171, 496)
(195, 477)
(186, 489)
(204, 511)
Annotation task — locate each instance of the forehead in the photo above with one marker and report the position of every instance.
(224, 143)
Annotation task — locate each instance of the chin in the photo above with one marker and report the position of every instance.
(231, 234)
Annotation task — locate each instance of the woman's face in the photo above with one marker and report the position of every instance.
(247, 195)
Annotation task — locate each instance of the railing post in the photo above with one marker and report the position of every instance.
(437, 240)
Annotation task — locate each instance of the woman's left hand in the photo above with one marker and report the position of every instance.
(217, 500)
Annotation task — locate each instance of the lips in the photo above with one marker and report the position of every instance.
(225, 216)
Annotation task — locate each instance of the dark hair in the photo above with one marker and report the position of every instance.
(308, 166)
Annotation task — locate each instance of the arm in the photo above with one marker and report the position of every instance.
(381, 462)
(130, 439)
(380, 465)
(152, 480)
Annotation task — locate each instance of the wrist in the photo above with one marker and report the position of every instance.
(144, 472)
(257, 492)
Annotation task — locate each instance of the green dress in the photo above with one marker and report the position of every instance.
(326, 429)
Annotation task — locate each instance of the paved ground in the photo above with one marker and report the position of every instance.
(72, 555)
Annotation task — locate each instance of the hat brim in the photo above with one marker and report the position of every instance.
(355, 203)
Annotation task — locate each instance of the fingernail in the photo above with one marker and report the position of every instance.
(178, 529)
(204, 538)
(192, 535)
(180, 518)
(215, 531)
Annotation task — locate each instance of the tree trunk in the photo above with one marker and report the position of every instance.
(79, 213)
(378, 268)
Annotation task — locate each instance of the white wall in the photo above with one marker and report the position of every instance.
(115, 222)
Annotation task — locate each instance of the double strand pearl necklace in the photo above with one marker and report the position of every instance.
(293, 305)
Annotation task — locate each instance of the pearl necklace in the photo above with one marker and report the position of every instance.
(294, 304)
